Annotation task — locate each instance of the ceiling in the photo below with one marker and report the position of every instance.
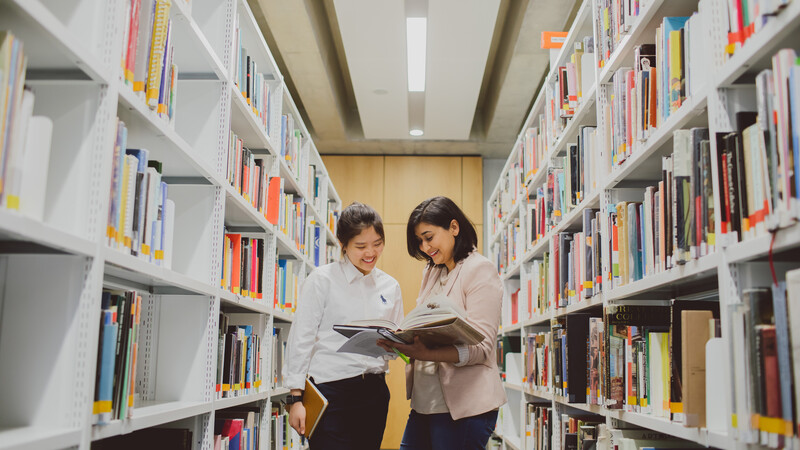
(344, 62)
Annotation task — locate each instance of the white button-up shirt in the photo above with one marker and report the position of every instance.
(334, 294)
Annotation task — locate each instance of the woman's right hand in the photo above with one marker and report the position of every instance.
(297, 417)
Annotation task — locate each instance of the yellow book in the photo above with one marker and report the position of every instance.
(622, 239)
(157, 48)
(315, 404)
(675, 70)
(123, 207)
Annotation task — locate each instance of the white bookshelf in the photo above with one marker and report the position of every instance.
(54, 269)
(732, 267)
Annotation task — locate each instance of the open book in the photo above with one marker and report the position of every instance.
(437, 322)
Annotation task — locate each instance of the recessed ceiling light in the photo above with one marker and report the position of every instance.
(416, 36)
(415, 132)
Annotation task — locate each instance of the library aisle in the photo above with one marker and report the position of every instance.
(162, 202)
(646, 228)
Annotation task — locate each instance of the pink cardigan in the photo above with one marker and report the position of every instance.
(474, 388)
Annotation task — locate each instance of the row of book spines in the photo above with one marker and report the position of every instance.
(25, 139)
(613, 19)
(147, 54)
(242, 265)
(141, 216)
(532, 153)
(746, 18)
(253, 85)
(117, 354)
(239, 361)
(286, 286)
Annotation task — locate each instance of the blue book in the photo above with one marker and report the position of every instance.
(667, 25)
(282, 282)
(783, 344)
(109, 345)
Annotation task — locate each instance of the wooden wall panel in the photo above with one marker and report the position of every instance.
(357, 179)
(412, 179)
(472, 188)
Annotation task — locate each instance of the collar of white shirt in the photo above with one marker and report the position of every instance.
(351, 272)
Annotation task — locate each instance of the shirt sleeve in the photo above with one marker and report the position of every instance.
(483, 293)
(397, 311)
(463, 355)
(303, 333)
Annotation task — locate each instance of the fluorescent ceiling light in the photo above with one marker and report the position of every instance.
(415, 132)
(416, 35)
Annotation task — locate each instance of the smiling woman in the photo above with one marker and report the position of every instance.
(342, 292)
(454, 390)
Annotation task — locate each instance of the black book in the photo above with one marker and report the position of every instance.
(577, 351)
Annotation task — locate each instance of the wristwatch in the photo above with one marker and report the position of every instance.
(291, 399)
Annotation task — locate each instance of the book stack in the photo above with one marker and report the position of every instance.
(580, 432)
(614, 18)
(254, 86)
(533, 149)
(141, 218)
(664, 76)
(24, 138)
(294, 148)
(147, 55)
(117, 352)
(287, 285)
(537, 361)
(238, 428)
(243, 265)
(249, 174)
(534, 289)
(281, 433)
(509, 197)
(745, 18)
(538, 426)
(565, 91)
(763, 322)
(239, 360)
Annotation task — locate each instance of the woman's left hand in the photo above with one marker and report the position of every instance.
(417, 350)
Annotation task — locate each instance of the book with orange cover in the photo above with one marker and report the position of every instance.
(315, 404)
(273, 200)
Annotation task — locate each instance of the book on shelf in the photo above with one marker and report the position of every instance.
(239, 359)
(442, 324)
(115, 390)
(238, 427)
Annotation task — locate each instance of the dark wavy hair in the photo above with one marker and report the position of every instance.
(440, 211)
(356, 218)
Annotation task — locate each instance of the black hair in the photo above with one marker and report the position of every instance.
(356, 218)
(441, 211)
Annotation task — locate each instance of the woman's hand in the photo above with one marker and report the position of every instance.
(417, 350)
(297, 417)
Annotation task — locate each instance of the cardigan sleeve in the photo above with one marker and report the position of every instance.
(483, 293)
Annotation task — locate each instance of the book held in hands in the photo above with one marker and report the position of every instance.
(437, 322)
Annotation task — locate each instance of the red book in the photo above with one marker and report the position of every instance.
(273, 200)
(236, 262)
(771, 380)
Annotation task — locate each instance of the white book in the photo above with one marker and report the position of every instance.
(146, 10)
(169, 232)
(152, 194)
(35, 167)
(16, 158)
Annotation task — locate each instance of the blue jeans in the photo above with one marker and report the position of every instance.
(441, 432)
